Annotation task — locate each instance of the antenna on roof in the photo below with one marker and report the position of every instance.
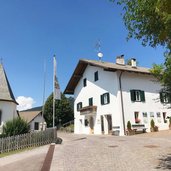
(98, 49)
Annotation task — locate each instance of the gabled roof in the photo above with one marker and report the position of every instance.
(6, 93)
(29, 115)
(82, 64)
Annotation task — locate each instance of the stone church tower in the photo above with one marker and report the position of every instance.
(8, 103)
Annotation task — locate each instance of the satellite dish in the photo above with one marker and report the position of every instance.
(100, 55)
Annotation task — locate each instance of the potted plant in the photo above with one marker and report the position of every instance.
(152, 124)
(129, 129)
(153, 128)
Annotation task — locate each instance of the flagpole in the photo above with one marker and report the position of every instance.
(54, 73)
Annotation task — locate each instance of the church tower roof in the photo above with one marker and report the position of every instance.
(6, 93)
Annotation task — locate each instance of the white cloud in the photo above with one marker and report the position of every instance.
(24, 103)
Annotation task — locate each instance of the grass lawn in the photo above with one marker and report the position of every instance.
(15, 152)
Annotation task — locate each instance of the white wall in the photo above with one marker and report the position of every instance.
(38, 119)
(107, 83)
(8, 110)
(152, 101)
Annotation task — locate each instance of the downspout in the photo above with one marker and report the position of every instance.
(122, 104)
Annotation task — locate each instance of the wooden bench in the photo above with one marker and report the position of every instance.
(139, 127)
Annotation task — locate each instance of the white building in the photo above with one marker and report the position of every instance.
(34, 118)
(7, 101)
(108, 95)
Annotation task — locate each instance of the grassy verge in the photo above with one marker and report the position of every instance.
(15, 152)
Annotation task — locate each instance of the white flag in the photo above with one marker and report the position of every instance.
(57, 93)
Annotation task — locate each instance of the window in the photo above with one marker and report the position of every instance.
(145, 119)
(158, 114)
(0, 117)
(105, 98)
(137, 96)
(79, 106)
(85, 82)
(96, 76)
(164, 117)
(144, 114)
(152, 114)
(36, 126)
(165, 97)
(86, 122)
(90, 101)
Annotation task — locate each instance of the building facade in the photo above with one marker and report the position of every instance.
(34, 118)
(8, 103)
(108, 95)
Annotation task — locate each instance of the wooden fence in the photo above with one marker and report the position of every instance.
(32, 139)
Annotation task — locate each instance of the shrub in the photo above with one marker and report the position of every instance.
(152, 123)
(16, 126)
(129, 125)
(170, 121)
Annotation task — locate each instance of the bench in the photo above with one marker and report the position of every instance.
(139, 127)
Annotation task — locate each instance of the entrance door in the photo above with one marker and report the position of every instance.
(102, 125)
(91, 125)
(109, 121)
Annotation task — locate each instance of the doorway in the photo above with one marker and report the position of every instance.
(91, 120)
(109, 122)
(102, 124)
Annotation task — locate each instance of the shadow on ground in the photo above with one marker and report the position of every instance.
(165, 162)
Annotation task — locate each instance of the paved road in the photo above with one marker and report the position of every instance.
(146, 152)
(31, 160)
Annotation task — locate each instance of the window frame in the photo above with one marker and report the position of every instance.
(36, 126)
(96, 76)
(79, 106)
(105, 98)
(90, 101)
(137, 95)
(164, 97)
(85, 82)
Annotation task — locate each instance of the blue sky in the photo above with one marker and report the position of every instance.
(31, 32)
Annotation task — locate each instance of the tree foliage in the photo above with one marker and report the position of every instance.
(16, 126)
(63, 111)
(163, 73)
(148, 20)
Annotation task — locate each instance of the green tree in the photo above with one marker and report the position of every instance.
(16, 126)
(163, 73)
(148, 20)
(63, 111)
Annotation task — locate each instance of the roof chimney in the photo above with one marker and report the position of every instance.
(120, 60)
(133, 62)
